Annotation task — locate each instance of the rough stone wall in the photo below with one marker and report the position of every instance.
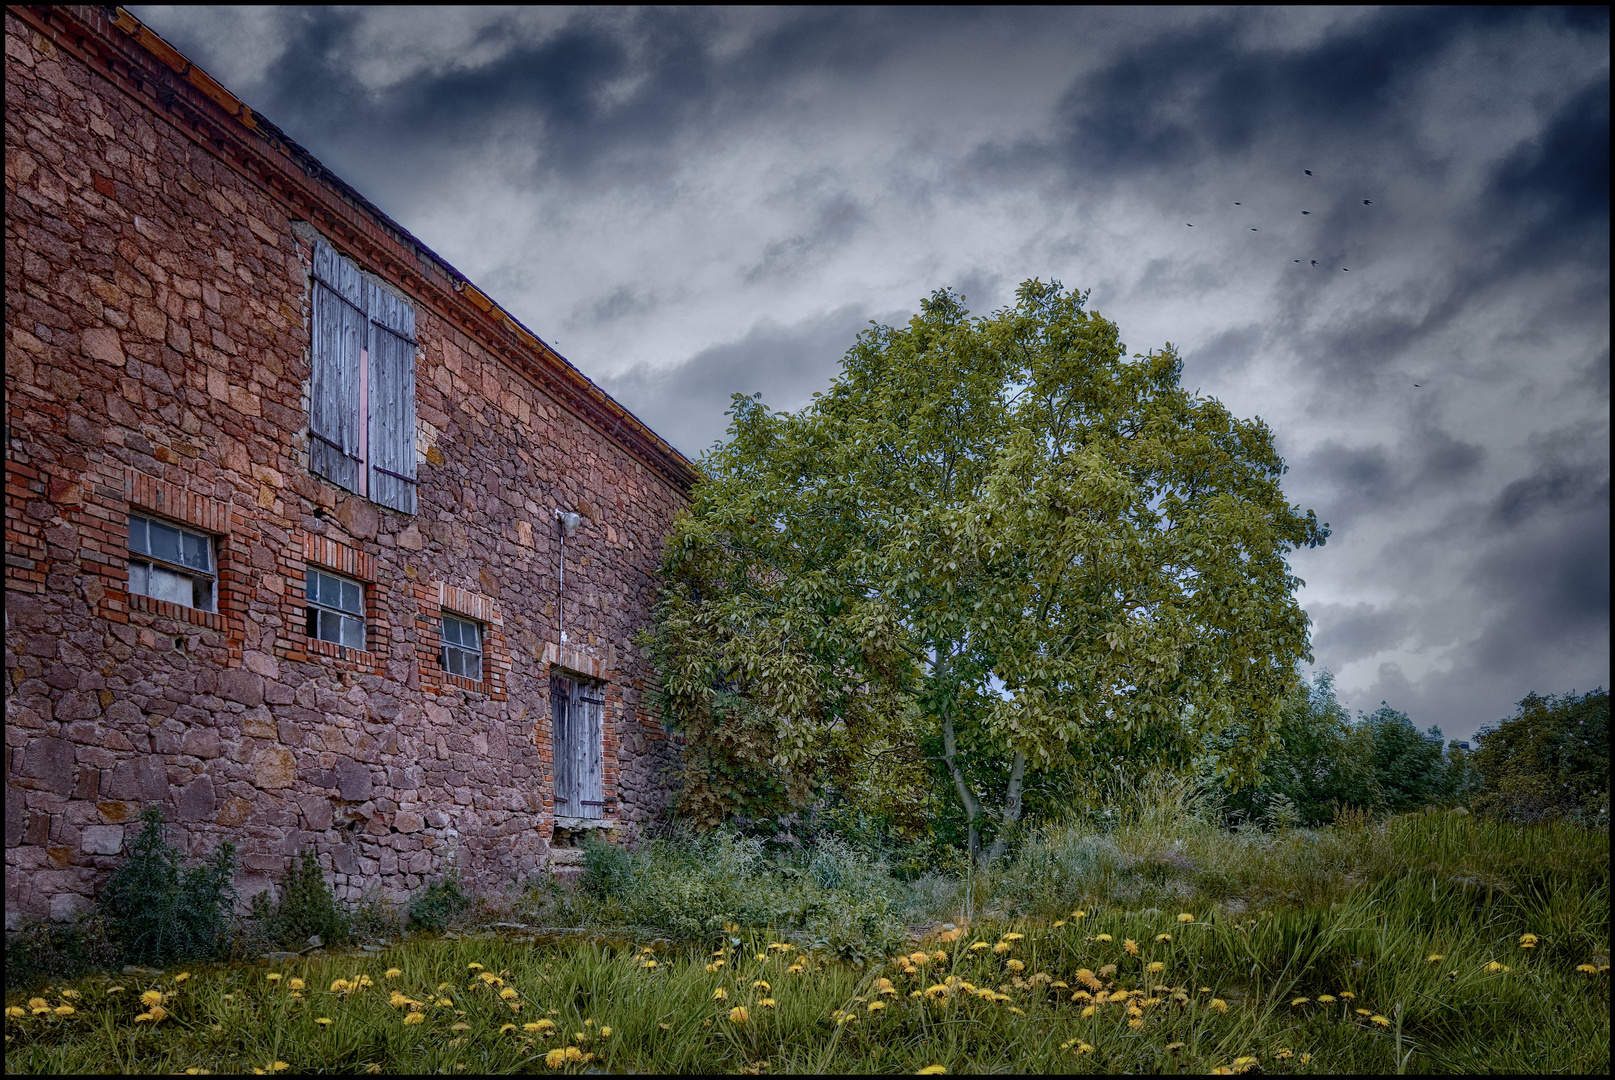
(157, 360)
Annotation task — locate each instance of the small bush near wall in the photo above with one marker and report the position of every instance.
(160, 913)
(439, 905)
(39, 950)
(306, 908)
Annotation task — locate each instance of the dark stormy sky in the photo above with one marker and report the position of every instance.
(691, 203)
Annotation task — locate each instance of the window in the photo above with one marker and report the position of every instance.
(335, 609)
(462, 648)
(362, 398)
(170, 563)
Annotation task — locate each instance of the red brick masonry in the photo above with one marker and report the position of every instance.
(159, 242)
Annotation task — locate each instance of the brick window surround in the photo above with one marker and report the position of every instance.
(431, 601)
(169, 501)
(324, 553)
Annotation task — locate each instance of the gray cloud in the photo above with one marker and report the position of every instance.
(687, 403)
(699, 202)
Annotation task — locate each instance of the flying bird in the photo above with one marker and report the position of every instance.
(1189, 223)
(1306, 211)
(1314, 262)
(1416, 385)
(1295, 260)
(1307, 171)
(1347, 269)
(1236, 204)
(1368, 202)
(1256, 230)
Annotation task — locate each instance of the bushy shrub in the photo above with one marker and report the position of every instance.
(306, 908)
(39, 950)
(1549, 760)
(828, 896)
(160, 913)
(441, 903)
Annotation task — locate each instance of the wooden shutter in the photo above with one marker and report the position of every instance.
(565, 776)
(339, 334)
(392, 400)
(591, 709)
(578, 711)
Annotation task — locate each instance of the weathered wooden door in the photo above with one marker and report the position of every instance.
(577, 709)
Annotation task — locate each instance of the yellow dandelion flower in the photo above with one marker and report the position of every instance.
(1346, 995)
(1379, 1021)
(1173, 1047)
(714, 966)
(150, 997)
(555, 1059)
(605, 1031)
(1298, 1002)
(761, 985)
(279, 1066)
(1219, 1004)
(978, 946)
(473, 967)
(1059, 923)
(794, 969)
(1103, 937)
(1088, 1011)
(760, 957)
(739, 1014)
(1304, 1059)
(1131, 946)
(444, 1003)
(1161, 939)
(70, 994)
(1284, 1054)
(1434, 958)
(1494, 968)
(15, 1011)
(461, 1026)
(1587, 969)
(506, 1027)
(1364, 1012)
(931, 1070)
(719, 994)
(1528, 941)
(415, 1018)
(296, 984)
(1135, 1023)
(1016, 966)
(937, 991)
(63, 1010)
(1082, 995)
(1326, 999)
(508, 993)
(1185, 917)
(649, 964)
(1011, 937)
(144, 1017)
(182, 976)
(874, 1006)
(392, 973)
(324, 1021)
(341, 986)
(1079, 914)
(1240, 1062)
(1156, 967)
(1107, 971)
(543, 1025)
(273, 976)
(114, 989)
(490, 979)
(1001, 948)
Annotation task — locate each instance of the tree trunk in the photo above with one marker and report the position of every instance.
(1012, 809)
(972, 807)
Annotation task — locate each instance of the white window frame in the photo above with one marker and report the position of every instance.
(458, 649)
(196, 562)
(325, 611)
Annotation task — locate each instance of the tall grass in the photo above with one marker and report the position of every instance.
(1268, 945)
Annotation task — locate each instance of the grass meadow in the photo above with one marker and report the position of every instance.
(1428, 943)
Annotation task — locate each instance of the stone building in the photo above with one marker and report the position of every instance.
(288, 507)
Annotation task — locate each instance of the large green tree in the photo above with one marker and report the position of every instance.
(1003, 537)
